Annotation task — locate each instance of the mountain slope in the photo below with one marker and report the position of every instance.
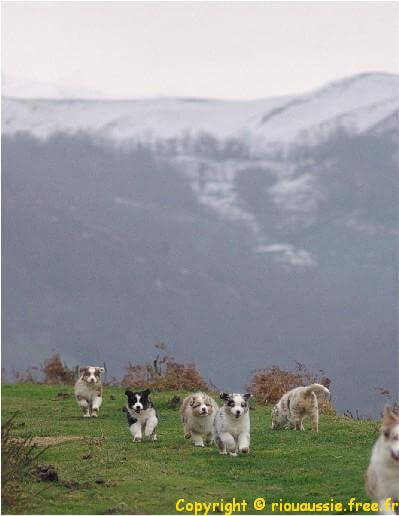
(356, 103)
(237, 259)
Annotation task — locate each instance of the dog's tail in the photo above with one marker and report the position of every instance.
(317, 388)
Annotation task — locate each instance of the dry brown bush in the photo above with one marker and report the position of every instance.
(268, 385)
(164, 374)
(55, 371)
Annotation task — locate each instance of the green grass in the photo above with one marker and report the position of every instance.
(149, 477)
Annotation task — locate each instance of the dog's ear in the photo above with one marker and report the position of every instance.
(224, 396)
(247, 396)
(389, 417)
(191, 401)
(83, 370)
(146, 392)
(128, 393)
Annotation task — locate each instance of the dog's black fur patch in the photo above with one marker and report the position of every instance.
(229, 401)
(130, 419)
(132, 398)
(142, 396)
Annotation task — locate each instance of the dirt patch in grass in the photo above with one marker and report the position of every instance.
(50, 441)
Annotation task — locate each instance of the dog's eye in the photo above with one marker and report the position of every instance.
(243, 405)
(230, 403)
(386, 434)
(196, 405)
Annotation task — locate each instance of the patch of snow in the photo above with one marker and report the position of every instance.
(287, 254)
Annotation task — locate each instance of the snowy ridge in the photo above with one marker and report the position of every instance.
(368, 102)
(357, 103)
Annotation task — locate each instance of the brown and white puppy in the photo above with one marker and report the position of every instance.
(382, 476)
(89, 390)
(295, 405)
(197, 414)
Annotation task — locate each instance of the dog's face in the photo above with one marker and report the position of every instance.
(201, 405)
(138, 401)
(236, 404)
(390, 431)
(91, 374)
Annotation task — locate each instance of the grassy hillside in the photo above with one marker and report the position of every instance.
(104, 472)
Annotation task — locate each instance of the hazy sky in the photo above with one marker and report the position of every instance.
(207, 49)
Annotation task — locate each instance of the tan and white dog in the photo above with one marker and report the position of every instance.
(89, 390)
(382, 476)
(197, 412)
(295, 405)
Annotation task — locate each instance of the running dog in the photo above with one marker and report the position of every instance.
(197, 414)
(141, 415)
(295, 405)
(89, 390)
(382, 476)
(232, 425)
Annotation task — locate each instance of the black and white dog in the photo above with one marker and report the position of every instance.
(141, 415)
(231, 424)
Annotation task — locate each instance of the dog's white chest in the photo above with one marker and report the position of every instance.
(143, 416)
(86, 390)
(236, 426)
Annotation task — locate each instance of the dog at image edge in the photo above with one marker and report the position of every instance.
(382, 476)
(197, 412)
(232, 424)
(141, 415)
(89, 390)
(297, 403)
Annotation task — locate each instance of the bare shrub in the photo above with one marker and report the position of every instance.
(56, 372)
(18, 456)
(164, 374)
(268, 385)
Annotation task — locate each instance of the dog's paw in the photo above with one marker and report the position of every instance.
(244, 450)
(137, 439)
(154, 437)
(187, 436)
(199, 444)
(94, 414)
(223, 452)
(233, 454)
(86, 415)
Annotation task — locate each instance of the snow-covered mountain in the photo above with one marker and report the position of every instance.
(202, 243)
(358, 104)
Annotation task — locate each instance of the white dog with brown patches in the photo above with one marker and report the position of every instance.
(89, 390)
(232, 425)
(197, 414)
(295, 405)
(382, 477)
